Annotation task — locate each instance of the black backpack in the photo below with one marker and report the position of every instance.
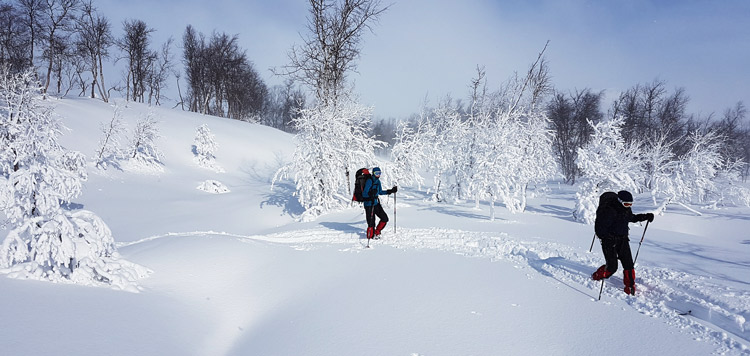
(607, 197)
(360, 178)
(605, 200)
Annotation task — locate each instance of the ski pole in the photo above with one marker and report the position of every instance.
(592, 242)
(394, 213)
(639, 244)
(590, 249)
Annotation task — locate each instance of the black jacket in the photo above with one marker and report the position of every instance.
(612, 220)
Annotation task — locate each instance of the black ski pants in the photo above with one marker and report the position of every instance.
(615, 248)
(372, 211)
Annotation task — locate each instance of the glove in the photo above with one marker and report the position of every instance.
(389, 191)
(394, 189)
(650, 217)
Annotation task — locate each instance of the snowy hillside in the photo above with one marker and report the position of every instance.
(233, 271)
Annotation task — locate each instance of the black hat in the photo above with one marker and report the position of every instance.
(625, 196)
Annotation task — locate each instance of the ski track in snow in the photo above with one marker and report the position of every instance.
(715, 313)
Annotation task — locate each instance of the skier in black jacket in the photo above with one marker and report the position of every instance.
(611, 226)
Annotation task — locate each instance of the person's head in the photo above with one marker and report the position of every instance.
(376, 172)
(625, 198)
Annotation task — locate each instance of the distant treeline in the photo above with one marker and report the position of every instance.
(68, 43)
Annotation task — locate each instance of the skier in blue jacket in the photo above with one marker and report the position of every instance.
(371, 193)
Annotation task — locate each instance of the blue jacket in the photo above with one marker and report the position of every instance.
(371, 191)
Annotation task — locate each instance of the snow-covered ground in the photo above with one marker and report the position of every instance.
(236, 274)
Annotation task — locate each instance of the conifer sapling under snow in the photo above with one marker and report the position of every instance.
(37, 175)
(204, 147)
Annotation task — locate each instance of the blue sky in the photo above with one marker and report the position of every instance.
(425, 49)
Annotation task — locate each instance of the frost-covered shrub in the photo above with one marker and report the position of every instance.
(495, 154)
(702, 175)
(110, 150)
(143, 148)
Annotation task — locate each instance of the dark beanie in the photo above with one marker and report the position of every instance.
(624, 195)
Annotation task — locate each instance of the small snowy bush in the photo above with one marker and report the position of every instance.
(204, 147)
(68, 247)
(213, 186)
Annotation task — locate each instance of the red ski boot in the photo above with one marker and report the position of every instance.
(601, 273)
(629, 279)
(379, 228)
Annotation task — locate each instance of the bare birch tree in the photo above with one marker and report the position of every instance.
(332, 46)
(94, 40)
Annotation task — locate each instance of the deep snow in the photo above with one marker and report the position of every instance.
(236, 274)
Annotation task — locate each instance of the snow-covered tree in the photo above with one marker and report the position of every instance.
(143, 149)
(409, 154)
(534, 162)
(494, 151)
(110, 150)
(332, 143)
(491, 174)
(507, 145)
(37, 175)
(702, 175)
(332, 140)
(697, 177)
(204, 147)
(659, 164)
(38, 172)
(447, 152)
(728, 182)
(606, 163)
(515, 150)
(698, 167)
